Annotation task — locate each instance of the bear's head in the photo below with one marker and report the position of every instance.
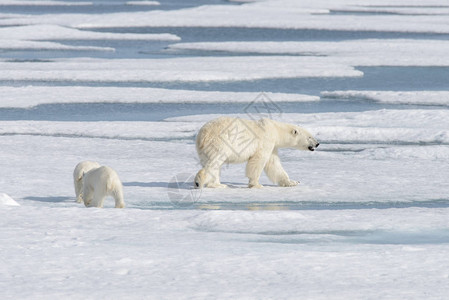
(301, 139)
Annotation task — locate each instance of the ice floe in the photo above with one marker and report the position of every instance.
(386, 127)
(270, 14)
(176, 69)
(190, 254)
(56, 32)
(6, 200)
(142, 3)
(353, 161)
(6, 44)
(365, 52)
(29, 96)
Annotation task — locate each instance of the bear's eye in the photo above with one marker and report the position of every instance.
(294, 132)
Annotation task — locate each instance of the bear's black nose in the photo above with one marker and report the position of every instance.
(317, 144)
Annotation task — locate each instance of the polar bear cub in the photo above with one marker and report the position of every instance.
(98, 184)
(235, 140)
(80, 169)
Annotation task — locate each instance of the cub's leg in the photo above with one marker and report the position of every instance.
(99, 197)
(117, 193)
(87, 195)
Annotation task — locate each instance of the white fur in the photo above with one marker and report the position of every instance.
(100, 183)
(80, 169)
(235, 140)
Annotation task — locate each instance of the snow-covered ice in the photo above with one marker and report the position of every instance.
(29, 96)
(369, 219)
(400, 148)
(279, 14)
(363, 52)
(56, 32)
(7, 200)
(142, 3)
(176, 69)
(90, 253)
(13, 44)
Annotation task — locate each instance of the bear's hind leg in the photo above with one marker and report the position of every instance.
(78, 190)
(117, 193)
(99, 197)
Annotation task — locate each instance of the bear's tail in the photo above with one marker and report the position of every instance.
(199, 179)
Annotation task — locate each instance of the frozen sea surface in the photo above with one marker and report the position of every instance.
(129, 84)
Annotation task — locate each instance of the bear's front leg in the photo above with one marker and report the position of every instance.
(276, 172)
(254, 169)
(288, 183)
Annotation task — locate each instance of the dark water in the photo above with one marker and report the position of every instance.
(160, 111)
(106, 6)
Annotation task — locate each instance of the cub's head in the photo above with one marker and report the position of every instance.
(301, 139)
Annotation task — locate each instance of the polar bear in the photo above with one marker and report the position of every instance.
(80, 169)
(236, 140)
(98, 184)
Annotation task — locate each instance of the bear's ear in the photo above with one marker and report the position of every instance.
(294, 132)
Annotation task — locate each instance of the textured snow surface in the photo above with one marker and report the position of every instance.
(369, 219)
(82, 253)
(29, 96)
(364, 52)
(270, 14)
(176, 69)
(402, 149)
(56, 32)
(5, 200)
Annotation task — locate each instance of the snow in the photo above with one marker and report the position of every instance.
(173, 254)
(369, 219)
(415, 97)
(57, 248)
(56, 32)
(6, 44)
(30, 96)
(5, 200)
(401, 148)
(184, 254)
(365, 52)
(176, 69)
(281, 14)
(142, 3)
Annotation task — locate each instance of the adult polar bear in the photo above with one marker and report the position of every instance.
(235, 140)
